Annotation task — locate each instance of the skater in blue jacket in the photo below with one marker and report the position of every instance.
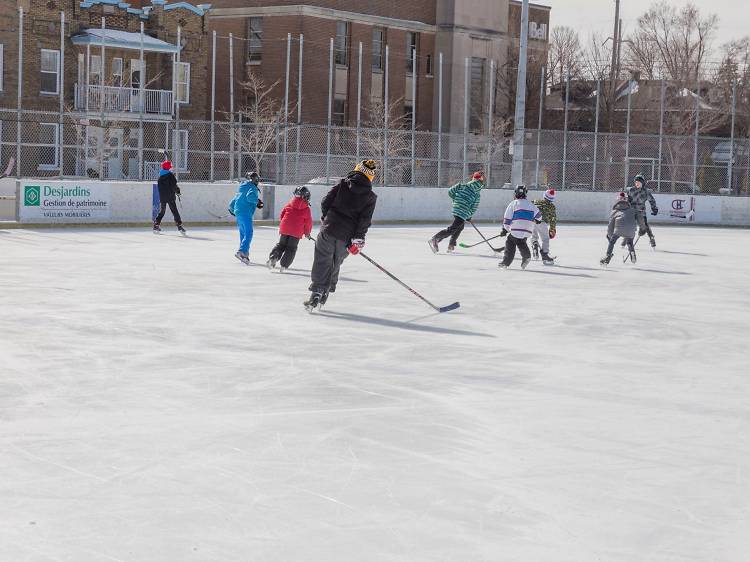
(242, 207)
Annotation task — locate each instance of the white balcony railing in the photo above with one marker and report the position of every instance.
(122, 100)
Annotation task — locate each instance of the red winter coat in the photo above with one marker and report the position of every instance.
(296, 218)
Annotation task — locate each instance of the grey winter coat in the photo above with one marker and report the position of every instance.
(622, 220)
(639, 197)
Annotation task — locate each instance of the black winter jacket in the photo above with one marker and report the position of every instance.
(347, 209)
(168, 189)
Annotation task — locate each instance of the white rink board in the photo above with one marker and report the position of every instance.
(161, 402)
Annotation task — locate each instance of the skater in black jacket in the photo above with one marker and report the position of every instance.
(346, 216)
(168, 192)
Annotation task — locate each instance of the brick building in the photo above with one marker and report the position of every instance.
(478, 30)
(92, 71)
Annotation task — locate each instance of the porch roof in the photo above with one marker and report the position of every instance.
(115, 38)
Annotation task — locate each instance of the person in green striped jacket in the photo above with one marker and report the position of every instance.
(465, 203)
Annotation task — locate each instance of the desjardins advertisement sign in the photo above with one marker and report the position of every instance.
(64, 201)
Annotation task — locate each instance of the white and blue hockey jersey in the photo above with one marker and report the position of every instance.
(520, 217)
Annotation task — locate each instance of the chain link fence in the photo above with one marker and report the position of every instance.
(44, 144)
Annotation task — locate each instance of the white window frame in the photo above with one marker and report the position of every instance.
(2, 67)
(93, 72)
(116, 75)
(56, 72)
(180, 158)
(255, 40)
(186, 83)
(56, 164)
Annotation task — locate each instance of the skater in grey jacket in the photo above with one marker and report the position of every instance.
(638, 195)
(622, 224)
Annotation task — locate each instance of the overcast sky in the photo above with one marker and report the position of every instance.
(590, 15)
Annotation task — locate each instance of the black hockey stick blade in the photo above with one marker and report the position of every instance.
(450, 307)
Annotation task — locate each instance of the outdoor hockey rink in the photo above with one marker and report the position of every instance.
(161, 402)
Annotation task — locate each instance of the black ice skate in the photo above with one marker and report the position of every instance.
(632, 256)
(433, 243)
(525, 262)
(313, 302)
(605, 260)
(271, 263)
(547, 259)
(653, 242)
(451, 248)
(182, 230)
(243, 257)
(502, 265)
(535, 249)
(157, 229)
(324, 299)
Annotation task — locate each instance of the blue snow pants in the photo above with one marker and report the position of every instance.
(245, 225)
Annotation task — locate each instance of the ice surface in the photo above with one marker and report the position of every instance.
(159, 401)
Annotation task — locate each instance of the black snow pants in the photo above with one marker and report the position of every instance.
(172, 203)
(454, 231)
(330, 253)
(511, 243)
(285, 250)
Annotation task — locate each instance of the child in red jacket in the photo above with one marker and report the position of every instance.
(296, 221)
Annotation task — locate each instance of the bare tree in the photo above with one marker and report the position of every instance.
(564, 54)
(397, 144)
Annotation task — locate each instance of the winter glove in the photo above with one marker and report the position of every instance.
(177, 191)
(356, 245)
(260, 204)
(552, 233)
(654, 211)
(308, 237)
(504, 233)
(538, 221)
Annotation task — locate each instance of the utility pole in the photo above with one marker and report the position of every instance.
(520, 119)
(613, 70)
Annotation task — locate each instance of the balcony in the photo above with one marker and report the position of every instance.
(112, 99)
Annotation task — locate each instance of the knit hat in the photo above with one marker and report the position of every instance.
(478, 176)
(166, 165)
(550, 195)
(367, 167)
(622, 196)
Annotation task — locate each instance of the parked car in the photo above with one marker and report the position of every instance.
(722, 151)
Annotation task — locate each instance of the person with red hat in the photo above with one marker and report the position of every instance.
(465, 198)
(547, 229)
(168, 192)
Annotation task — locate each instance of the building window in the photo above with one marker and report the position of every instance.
(378, 41)
(182, 82)
(2, 68)
(117, 72)
(95, 70)
(49, 141)
(50, 77)
(341, 46)
(429, 65)
(255, 39)
(180, 142)
(476, 120)
(408, 112)
(411, 50)
(339, 112)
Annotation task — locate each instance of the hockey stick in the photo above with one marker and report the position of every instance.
(448, 308)
(483, 238)
(462, 245)
(627, 256)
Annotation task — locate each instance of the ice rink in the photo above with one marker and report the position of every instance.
(161, 402)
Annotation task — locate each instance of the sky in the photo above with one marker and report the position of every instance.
(598, 15)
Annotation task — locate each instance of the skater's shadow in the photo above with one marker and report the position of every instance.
(559, 273)
(683, 253)
(661, 271)
(577, 268)
(402, 325)
(303, 273)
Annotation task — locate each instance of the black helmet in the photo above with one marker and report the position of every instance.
(253, 177)
(520, 192)
(641, 179)
(303, 192)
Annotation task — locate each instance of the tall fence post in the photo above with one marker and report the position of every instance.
(359, 97)
(386, 109)
(596, 135)
(413, 113)
(212, 172)
(20, 92)
(440, 118)
(627, 132)
(539, 126)
(141, 108)
(101, 141)
(330, 108)
(299, 105)
(661, 132)
(61, 126)
(232, 132)
(286, 101)
(730, 183)
(177, 152)
(565, 132)
(697, 132)
(465, 172)
(490, 123)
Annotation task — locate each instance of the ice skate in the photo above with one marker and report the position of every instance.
(535, 249)
(502, 265)
(157, 229)
(653, 242)
(547, 259)
(283, 269)
(633, 257)
(313, 302)
(433, 243)
(324, 299)
(182, 230)
(271, 263)
(605, 260)
(525, 262)
(451, 248)
(243, 257)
